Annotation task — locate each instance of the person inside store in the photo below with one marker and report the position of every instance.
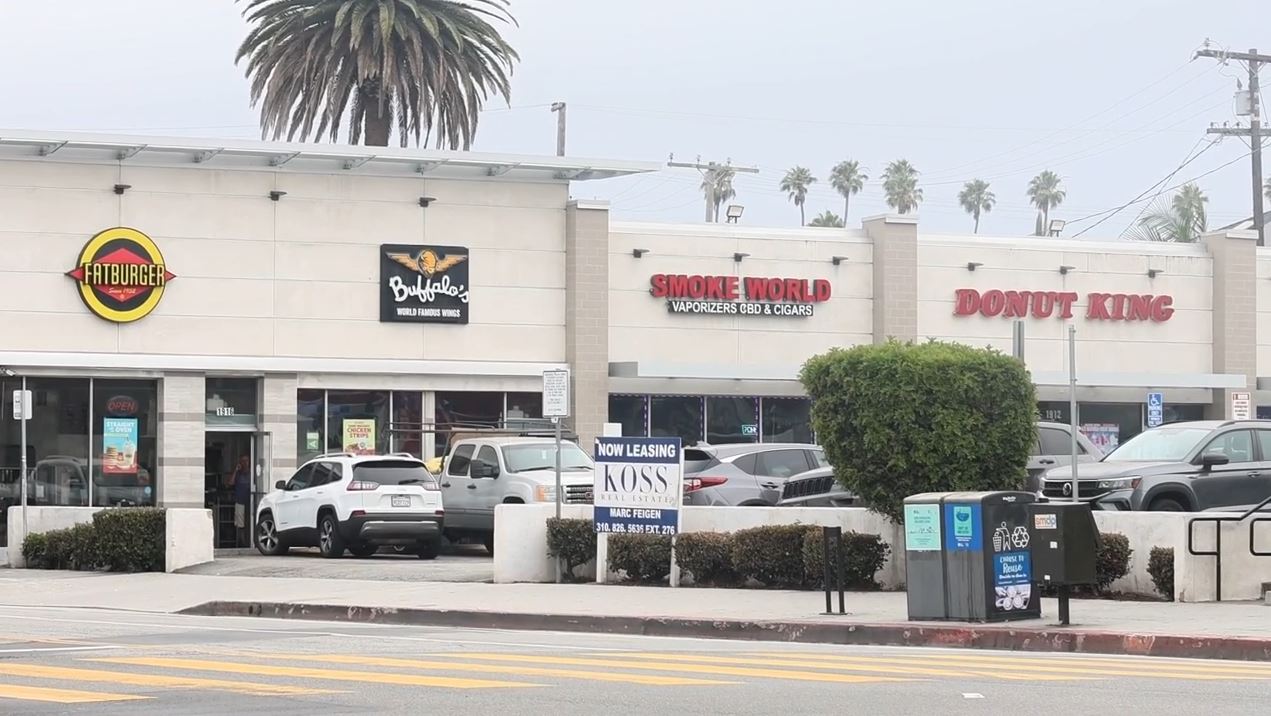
(242, 485)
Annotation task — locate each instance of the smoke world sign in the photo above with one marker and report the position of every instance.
(121, 275)
(639, 485)
(739, 295)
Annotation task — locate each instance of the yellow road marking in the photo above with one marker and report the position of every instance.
(40, 671)
(1149, 663)
(798, 662)
(305, 673)
(61, 696)
(645, 679)
(1031, 665)
(683, 668)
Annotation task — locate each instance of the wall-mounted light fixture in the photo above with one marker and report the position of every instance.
(1154, 272)
(121, 188)
(836, 260)
(275, 195)
(424, 201)
(639, 253)
(1066, 269)
(973, 265)
(734, 212)
(738, 256)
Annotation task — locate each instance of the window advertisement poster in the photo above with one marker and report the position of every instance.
(1106, 436)
(639, 485)
(119, 446)
(962, 527)
(922, 528)
(358, 436)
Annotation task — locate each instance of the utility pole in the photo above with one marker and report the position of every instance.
(710, 168)
(1254, 61)
(559, 109)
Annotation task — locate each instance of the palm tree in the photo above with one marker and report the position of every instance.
(900, 185)
(847, 179)
(827, 218)
(975, 198)
(796, 183)
(1045, 194)
(717, 185)
(425, 67)
(1182, 219)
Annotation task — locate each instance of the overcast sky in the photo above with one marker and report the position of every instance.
(1100, 91)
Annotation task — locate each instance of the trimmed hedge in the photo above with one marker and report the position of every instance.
(1160, 564)
(863, 556)
(571, 540)
(119, 539)
(644, 558)
(70, 548)
(771, 555)
(707, 556)
(1113, 560)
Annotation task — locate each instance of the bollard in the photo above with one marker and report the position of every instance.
(825, 566)
(833, 572)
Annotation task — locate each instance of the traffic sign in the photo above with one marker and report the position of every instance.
(556, 393)
(21, 405)
(1155, 400)
(1155, 410)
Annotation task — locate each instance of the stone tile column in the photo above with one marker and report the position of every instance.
(895, 240)
(1235, 342)
(278, 418)
(587, 315)
(182, 402)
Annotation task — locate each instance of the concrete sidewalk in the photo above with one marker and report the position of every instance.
(1216, 630)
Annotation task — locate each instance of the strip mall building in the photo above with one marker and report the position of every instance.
(175, 305)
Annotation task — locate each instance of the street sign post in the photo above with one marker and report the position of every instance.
(556, 407)
(22, 413)
(1241, 406)
(1155, 410)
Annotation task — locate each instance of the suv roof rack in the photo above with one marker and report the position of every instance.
(333, 454)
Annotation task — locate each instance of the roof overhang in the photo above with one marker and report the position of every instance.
(300, 157)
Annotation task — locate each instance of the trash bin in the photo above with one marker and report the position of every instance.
(924, 560)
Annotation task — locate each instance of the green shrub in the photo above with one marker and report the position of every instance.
(35, 550)
(572, 541)
(71, 548)
(1113, 560)
(1160, 564)
(771, 555)
(897, 419)
(131, 539)
(645, 558)
(707, 556)
(863, 556)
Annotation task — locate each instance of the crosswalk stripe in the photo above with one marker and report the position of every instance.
(1155, 663)
(61, 696)
(644, 679)
(678, 667)
(1026, 665)
(306, 673)
(798, 662)
(40, 671)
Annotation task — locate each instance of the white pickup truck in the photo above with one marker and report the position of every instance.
(482, 472)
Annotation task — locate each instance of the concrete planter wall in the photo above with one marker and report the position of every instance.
(188, 535)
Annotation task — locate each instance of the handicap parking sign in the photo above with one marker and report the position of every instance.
(1155, 410)
(1155, 400)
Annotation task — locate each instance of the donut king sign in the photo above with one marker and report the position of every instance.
(121, 275)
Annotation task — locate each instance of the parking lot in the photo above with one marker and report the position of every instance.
(457, 563)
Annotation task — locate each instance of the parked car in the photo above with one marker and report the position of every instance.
(816, 488)
(744, 474)
(483, 472)
(358, 503)
(1053, 448)
(1181, 467)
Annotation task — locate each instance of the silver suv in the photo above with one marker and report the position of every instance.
(744, 474)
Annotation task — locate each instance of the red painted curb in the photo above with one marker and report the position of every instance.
(1007, 638)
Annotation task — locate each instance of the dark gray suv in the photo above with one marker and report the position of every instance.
(1181, 467)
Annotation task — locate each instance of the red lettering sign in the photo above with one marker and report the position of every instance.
(732, 288)
(1045, 304)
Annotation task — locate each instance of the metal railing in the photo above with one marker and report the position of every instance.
(1216, 552)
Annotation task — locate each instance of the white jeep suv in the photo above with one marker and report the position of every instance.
(358, 503)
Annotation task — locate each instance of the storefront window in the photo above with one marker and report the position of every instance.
(125, 446)
(732, 420)
(310, 425)
(1110, 424)
(357, 421)
(57, 444)
(524, 406)
(787, 420)
(470, 408)
(676, 416)
(408, 416)
(632, 412)
(231, 403)
(1183, 413)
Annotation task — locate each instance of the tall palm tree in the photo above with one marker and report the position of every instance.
(847, 179)
(796, 183)
(1182, 219)
(425, 67)
(900, 185)
(976, 198)
(1045, 194)
(717, 185)
(827, 218)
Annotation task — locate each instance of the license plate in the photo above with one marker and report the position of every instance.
(401, 500)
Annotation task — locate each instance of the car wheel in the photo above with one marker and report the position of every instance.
(430, 549)
(1166, 504)
(488, 541)
(268, 541)
(330, 544)
(364, 550)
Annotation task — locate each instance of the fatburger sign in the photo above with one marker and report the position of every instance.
(121, 275)
(739, 295)
(1060, 304)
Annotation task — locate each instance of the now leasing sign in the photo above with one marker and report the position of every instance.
(639, 485)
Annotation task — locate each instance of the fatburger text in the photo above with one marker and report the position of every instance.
(733, 288)
(1060, 304)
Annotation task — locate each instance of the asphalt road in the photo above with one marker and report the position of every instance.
(110, 662)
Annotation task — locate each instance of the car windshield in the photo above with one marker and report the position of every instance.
(542, 456)
(393, 472)
(1159, 445)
